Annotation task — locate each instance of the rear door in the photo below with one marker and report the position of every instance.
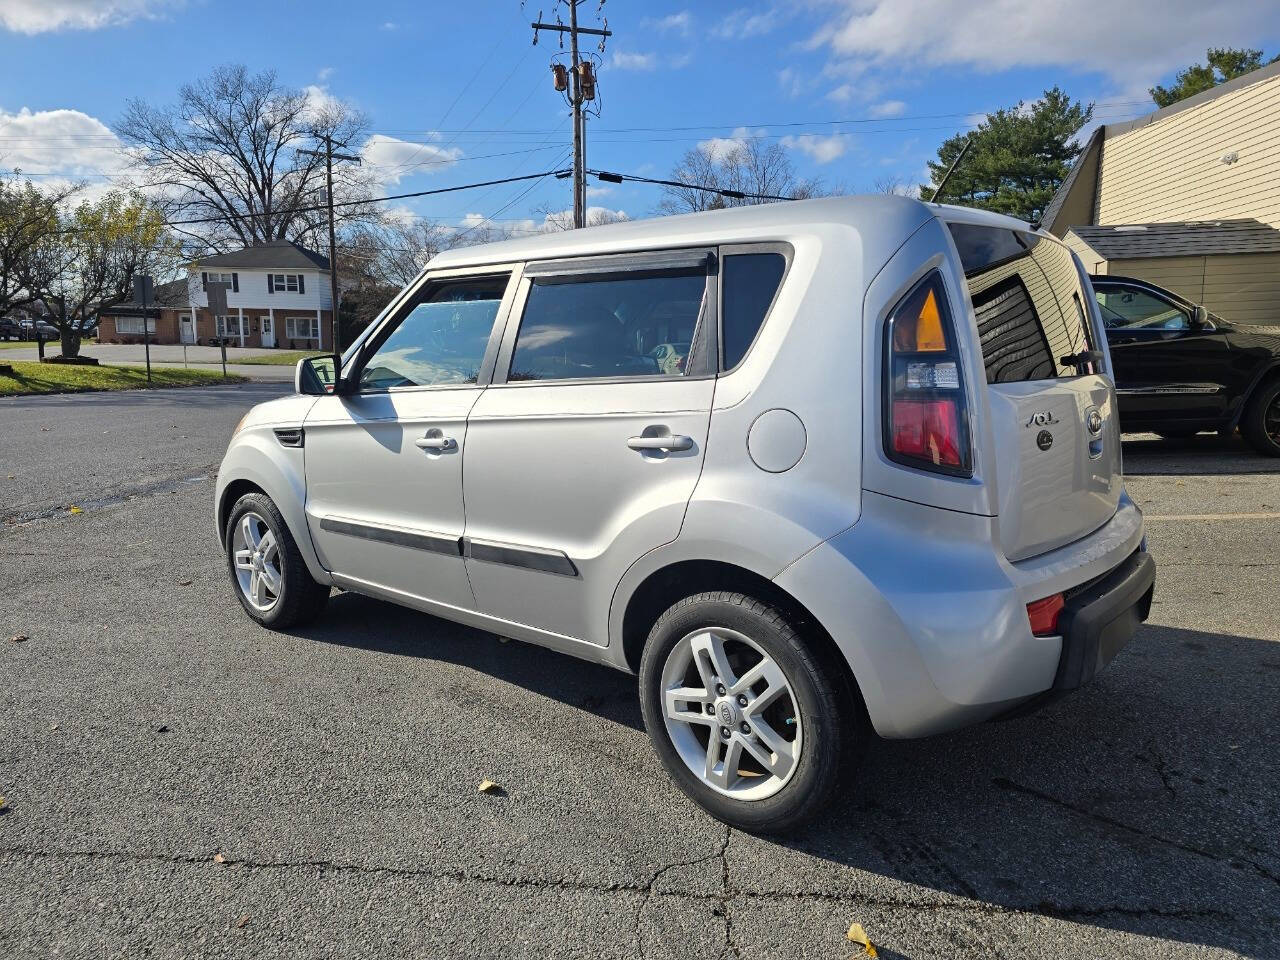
(1053, 419)
(384, 463)
(583, 453)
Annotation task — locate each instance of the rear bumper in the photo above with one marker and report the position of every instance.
(932, 617)
(1098, 620)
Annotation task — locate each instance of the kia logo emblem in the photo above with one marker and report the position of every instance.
(1095, 422)
(726, 715)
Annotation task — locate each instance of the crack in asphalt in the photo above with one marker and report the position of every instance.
(1229, 859)
(643, 890)
(168, 484)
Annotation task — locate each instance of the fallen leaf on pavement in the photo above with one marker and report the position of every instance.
(19, 638)
(240, 924)
(859, 936)
(55, 726)
(219, 858)
(488, 786)
(184, 583)
(3, 808)
(162, 729)
(74, 509)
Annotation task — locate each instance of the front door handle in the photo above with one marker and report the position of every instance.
(435, 443)
(670, 442)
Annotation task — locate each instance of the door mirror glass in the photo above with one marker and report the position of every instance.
(313, 376)
(1201, 316)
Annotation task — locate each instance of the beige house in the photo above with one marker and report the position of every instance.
(1187, 197)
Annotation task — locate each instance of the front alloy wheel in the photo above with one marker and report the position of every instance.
(271, 578)
(256, 556)
(731, 714)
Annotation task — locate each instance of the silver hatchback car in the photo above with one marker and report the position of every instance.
(813, 470)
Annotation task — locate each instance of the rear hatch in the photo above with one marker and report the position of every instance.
(1053, 421)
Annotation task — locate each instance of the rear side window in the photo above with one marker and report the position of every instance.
(639, 324)
(749, 284)
(1030, 305)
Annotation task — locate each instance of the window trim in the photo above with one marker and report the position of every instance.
(293, 319)
(406, 302)
(732, 249)
(706, 331)
(1142, 288)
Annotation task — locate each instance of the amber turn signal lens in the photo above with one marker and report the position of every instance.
(918, 329)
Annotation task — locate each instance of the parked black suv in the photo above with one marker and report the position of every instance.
(1180, 369)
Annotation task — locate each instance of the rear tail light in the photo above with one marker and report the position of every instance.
(1043, 615)
(926, 422)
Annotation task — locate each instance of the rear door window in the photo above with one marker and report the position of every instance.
(1029, 303)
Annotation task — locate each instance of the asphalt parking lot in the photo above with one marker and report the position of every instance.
(179, 782)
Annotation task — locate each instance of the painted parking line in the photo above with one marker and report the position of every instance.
(1210, 516)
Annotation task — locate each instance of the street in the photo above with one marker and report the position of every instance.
(178, 781)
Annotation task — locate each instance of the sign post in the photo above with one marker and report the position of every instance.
(143, 290)
(217, 293)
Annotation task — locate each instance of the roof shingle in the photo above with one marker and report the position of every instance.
(1192, 239)
(263, 256)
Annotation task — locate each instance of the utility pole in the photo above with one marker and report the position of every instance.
(580, 88)
(329, 157)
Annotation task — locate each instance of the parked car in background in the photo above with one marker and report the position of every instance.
(10, 329)
(1181, 370)
(33, 329)
(810, 469)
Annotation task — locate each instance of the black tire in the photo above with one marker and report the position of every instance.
(835, 725)
(1177, 433)
(301, 599)
(1260, 423)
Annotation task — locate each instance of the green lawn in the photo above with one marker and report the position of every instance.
(280, 358)
(34, 377)
(16, 344)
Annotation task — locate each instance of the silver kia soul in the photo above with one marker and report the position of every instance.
(812, 470)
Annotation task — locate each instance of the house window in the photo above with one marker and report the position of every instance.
(286, 282)
(302, 328)
(229, 326)
(132, 326)
(220, 278)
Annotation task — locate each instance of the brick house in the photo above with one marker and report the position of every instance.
(277, 296)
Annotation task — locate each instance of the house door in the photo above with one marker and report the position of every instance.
(188, 328)
(268, 332)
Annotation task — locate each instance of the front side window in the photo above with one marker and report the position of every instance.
(1028, 300)
(441, 340)
(1131, 308)
(638, 324)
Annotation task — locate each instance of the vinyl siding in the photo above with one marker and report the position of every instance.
(1173, 170)
(1244, 287)
(253, 291)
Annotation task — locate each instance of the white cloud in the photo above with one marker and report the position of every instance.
(842, 93)
(39, 16)
(1094, 35)
(392, 159)
(821, 149)
(324, 74)
(743, 23)
(680, 22)
(390, 25)
(792, 82)
(717, 148)
(60, 144)
(634, 61)
(888, 108)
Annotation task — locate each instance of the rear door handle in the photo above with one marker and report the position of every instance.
(435, 443)
(672, 442)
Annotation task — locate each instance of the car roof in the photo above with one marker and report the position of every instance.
(877, 217)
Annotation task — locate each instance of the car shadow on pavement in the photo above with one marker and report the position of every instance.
(352, 620)
(1146, 802)
(1205, 454)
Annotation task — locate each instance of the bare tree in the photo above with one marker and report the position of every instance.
(91, 258)
(749, 166)
(894, 185)
(228, 150)
(557, 220)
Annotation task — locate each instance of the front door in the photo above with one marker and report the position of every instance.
(188, 329)
(1168, 369)
(582, 455)
(268, 332)
(384, 462)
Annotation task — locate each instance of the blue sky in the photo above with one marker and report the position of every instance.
(447, 85)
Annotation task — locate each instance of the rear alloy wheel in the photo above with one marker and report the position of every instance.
(1261, 421)
(746, 718)
(271, 578)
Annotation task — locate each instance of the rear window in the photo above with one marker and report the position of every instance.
(750, 282)
(1030, 305)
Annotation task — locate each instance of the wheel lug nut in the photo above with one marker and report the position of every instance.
(742, 700)
(724, 733)
(711, 709)
(746, 727)
(720, 689)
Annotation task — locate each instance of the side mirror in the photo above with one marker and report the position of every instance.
(1200, 317)
(313, 377)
